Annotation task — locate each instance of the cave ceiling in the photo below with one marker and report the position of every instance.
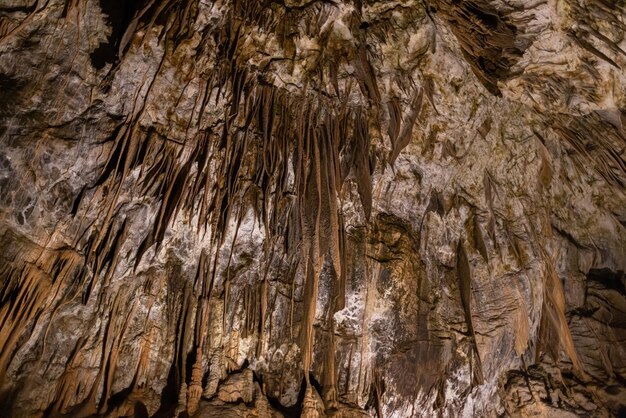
(316, 208)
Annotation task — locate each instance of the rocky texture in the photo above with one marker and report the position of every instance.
(326, 208)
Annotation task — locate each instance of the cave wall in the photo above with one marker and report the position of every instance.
(350, 208)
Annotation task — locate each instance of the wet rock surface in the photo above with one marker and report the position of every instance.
(312, 208)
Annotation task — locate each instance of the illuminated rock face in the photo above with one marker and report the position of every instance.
(317, 208)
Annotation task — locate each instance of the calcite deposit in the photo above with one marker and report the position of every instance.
(316, 208)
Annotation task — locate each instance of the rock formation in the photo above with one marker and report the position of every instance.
(348, 208)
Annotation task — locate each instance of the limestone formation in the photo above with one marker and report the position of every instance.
(317, 208)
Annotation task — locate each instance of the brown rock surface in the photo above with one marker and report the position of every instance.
(319, 208)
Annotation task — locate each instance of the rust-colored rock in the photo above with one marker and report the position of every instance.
(312, 208)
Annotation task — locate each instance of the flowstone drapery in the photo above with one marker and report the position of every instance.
(312, 208)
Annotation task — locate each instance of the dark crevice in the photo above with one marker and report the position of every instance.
(21, 8)
(608, 278)
(293, 411)
(119, 14)
(489, 41)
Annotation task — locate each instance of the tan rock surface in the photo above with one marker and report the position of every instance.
(334, 208)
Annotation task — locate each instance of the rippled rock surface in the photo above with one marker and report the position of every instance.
(278, 208)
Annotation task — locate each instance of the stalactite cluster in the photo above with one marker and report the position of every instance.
(312, 208)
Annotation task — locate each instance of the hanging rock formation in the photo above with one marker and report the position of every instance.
(278, 208)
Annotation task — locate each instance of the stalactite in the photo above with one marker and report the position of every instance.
(27, 290)
(554, 332)
(479, 240)
(259, 175)
(361, 163)
(395, 119)
(407, 129)
(465, 287)
(204, 286)
(490, 188)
